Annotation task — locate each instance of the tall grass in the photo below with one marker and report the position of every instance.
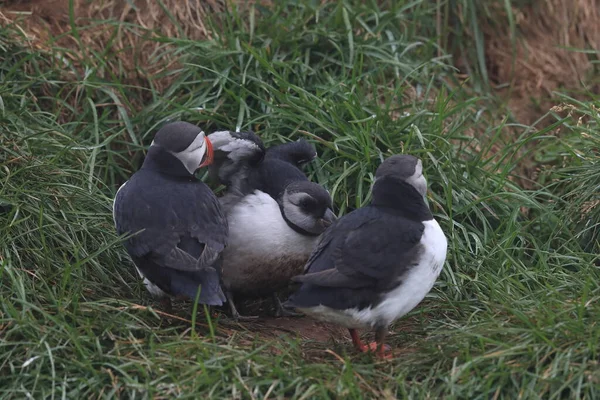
(576, 171)
(514, 313)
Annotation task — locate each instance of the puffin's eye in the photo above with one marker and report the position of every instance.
(307, 203)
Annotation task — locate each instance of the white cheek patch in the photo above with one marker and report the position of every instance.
(418, 181)
(295, 215)
(192, 156)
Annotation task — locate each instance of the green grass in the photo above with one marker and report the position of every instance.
(514, 314)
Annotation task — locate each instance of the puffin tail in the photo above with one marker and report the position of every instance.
(291, 302)
(206, 281)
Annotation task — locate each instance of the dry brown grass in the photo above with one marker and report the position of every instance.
(542, 65)
(129, 48)
(538, 64)
(526, 69)
(546, 30)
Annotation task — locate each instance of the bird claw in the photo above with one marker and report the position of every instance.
(235, 315)
(281, 311)
(245, 318)
(284, 312)
(373, 347)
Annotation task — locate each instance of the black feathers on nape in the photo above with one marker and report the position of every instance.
(238, 147)
(234, 152)
(252, 138)
(176, 136)
(296, 153)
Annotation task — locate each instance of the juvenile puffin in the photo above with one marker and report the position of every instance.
(275, 214)
(182, 229)
(375, 264)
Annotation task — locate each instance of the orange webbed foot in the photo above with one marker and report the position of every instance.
(383, 352)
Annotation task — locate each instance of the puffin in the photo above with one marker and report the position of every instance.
(176, 228)
(376, 263)
(275, 214)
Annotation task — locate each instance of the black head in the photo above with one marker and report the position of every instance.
(250, 137)
(297, 153)
(308, 207)
(235, 152)
(238, 146)
(404, 168)
(179, 148)
(176, 136)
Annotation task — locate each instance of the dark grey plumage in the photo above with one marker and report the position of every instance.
(178, 228)
(297, 153)
(275, 212)
(378, 262)
(358, 260)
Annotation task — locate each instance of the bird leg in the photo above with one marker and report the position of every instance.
(358, 344)
(281, 311)
(378, 347)
(234, 312)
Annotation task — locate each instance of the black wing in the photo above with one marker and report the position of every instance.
(181, 226)
(364, 252)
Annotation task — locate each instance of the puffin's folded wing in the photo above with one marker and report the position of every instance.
(330, 278)
(364, 248)
(380, 250)
(182, 229)
(322, 257)
(211, 235)
(176, 259)
(147, 228)
(318, 259)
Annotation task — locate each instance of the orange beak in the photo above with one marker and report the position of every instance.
(209, 154)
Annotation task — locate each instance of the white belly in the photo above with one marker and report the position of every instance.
(115, 200)
(154, 290)
(263, 252)
(398, 302)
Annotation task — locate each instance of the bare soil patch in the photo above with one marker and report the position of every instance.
(547, 54)
(129, 47)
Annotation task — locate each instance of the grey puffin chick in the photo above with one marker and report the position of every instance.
(275, 214)
(375, 264)
(178, 228)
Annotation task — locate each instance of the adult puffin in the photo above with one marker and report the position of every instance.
(378, 262)
(275, 213)
(179, 230)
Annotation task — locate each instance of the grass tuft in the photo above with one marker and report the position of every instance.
(514, 313)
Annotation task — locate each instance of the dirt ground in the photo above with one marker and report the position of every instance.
(316, 338)
(131, 50)
(548, 32)
(271, 327)
(302, 327)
